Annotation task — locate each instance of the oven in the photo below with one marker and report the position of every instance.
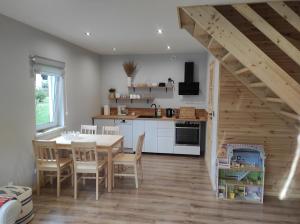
(187, 133)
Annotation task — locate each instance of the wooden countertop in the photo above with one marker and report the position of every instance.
(136, 117)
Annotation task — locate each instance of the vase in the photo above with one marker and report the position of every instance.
(129, 81)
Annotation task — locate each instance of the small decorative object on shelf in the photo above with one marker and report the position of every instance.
(112, 93)
(130, 69)
(241, 172)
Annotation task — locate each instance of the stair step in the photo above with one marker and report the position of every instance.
(290, 115)
(274, 100)
(242, 70)
(226, 56)
(257, 85)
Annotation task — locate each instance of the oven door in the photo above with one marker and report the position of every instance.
(187, 136)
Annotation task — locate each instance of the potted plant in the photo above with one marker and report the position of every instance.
(130, 70)
(112, 93)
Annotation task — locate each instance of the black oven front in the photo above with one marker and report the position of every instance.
(187, 133)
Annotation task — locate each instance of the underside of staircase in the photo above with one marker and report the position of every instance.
(259, 44)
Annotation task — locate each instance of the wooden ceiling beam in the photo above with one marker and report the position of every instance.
(264, 68)
(287, 13)
(277, 38)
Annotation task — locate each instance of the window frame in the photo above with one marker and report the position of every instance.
(49, 67)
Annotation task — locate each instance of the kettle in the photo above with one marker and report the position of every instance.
(170, 112)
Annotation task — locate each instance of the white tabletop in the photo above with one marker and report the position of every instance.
(101, 140)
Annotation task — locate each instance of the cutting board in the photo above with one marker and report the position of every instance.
(187, 113)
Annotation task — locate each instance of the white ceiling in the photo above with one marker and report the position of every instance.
(128, 25)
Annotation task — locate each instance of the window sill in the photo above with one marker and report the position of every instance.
(51, 131)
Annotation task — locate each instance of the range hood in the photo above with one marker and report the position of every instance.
(188, 87)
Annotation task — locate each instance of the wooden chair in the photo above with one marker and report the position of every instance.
(48, 160)
(85, 163)
(112, 130)
(88, 129)
(130, 160)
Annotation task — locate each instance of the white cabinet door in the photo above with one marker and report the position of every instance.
(165, 144)
(138, 128)
(103, 122)
(151, 136)
(125, 127)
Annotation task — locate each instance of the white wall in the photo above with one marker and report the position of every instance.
(17, 110)
(156, 68)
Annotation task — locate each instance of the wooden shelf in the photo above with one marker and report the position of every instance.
(148, 99)
(250, 169)
(134, 88)
(240, 183)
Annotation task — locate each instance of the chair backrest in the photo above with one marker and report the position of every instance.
(84, 152)
(110, 130)
(139, 147)
(88, 129)
(45, 151)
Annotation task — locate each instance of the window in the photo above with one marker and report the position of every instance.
(49, 94)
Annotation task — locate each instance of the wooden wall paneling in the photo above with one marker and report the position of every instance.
(243, 118)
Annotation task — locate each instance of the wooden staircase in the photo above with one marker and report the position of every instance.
(248, 63)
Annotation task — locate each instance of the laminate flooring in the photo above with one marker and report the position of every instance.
(175, 189)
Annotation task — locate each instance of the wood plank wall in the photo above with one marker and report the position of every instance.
(243, 118)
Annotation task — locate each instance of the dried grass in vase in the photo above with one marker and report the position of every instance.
(129, 68)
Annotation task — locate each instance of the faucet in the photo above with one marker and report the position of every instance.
(155, 108)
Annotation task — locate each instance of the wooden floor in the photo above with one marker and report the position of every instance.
(175, 190)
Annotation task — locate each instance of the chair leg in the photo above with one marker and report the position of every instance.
(97, 185)
(136, 176)
(75, 185)
(141, 167)
(113, 175)
(58, 183)
(38, 182)
(72, 173)
(105, 176)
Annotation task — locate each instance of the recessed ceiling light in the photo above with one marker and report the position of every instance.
(114, 49)
(87, 34)
(168, 47)
(159, 31)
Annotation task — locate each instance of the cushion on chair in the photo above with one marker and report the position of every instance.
(124, 157)
(24, 196)
(51, 165)
(88, 166)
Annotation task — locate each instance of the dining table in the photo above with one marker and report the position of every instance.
(104, 143)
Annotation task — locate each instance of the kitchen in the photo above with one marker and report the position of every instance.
(167, 130)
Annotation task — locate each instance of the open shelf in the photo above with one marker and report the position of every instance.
(150, 88)
(126, 99)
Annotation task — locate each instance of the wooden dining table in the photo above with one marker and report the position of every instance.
(105, 143)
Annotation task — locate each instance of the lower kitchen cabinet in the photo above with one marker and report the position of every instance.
(138, 128)
(151, 136)
(125, 127)
(165, 144)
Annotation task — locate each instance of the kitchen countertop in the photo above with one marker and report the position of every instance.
(136, 117)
